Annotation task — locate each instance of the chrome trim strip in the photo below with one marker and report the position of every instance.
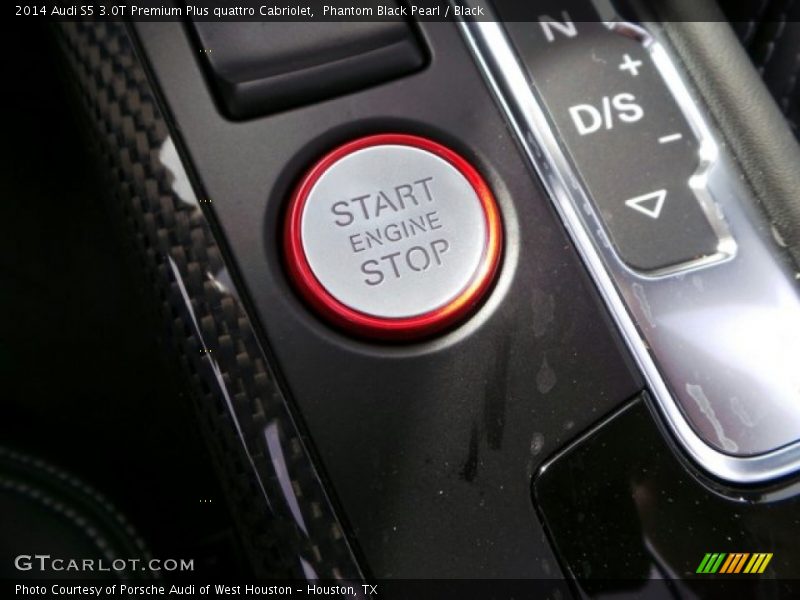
(497, 60)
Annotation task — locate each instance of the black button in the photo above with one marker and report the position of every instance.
(261, 67)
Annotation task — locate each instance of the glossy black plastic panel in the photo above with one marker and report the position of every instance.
(628, 517)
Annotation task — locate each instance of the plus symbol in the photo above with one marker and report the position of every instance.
(628, 64)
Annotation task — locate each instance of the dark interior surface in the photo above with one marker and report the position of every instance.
(86, 383)
(518, 444)
(622, 488)
(429, 447)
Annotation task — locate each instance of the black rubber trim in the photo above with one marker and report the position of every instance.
(743, 108)
(770, 32)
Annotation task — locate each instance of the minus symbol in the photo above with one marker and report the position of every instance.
(670, 138)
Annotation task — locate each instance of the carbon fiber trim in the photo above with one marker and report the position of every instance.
(284, 516)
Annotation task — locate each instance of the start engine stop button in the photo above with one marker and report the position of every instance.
(393, 236)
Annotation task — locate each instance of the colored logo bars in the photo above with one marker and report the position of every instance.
(735, 562)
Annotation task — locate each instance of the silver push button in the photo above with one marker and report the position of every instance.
(393, 236)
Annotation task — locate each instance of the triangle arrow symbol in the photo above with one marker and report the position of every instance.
(649, 204)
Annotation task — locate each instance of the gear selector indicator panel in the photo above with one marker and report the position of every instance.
(635, 150)
(392, 236)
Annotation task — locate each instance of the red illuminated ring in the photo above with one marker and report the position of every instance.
(380, 327)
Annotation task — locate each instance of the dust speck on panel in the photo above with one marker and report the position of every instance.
(545, 378)
(704, 404)
(537, 443)
(740, 411)
(543, 306)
